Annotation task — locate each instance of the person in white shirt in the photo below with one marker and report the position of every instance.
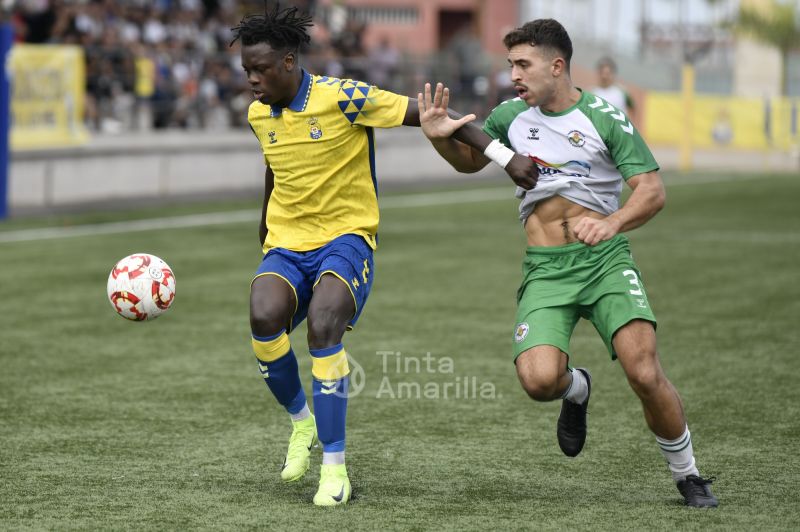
(610, 91)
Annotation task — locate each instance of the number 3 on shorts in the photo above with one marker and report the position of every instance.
(365, 271)
(634, 280)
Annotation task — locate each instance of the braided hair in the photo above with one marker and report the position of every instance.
(280, 28)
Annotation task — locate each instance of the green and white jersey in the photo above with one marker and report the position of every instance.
(583, 153)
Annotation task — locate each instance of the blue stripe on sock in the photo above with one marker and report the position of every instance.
(326, 351)
(284, 381)
(298, 403)
(268, 338)
(335, 447)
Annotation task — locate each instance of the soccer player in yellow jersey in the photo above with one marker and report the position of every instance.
(319, 225)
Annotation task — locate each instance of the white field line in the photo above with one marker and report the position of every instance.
(427, 199)
(744, 237)
(219, 218)
(193, 220)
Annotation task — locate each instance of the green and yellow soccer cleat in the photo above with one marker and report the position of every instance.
(334, 486)
(304, 437)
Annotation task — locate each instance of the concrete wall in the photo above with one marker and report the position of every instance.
(178, 164)
(134, 166)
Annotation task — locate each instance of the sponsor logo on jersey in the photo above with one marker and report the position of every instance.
(569, 168)
(272, 137)
(576, 138)
(534, 133)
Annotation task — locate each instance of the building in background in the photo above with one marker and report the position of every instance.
(651, 39)
(457, 42)
(425, 26)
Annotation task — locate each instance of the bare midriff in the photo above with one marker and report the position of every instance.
(553, 221)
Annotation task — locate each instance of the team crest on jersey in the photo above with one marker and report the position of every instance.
(576, 138)
(314, 131)
(521, 332)
(272, 137)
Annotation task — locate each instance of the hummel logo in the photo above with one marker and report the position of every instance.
(328, 387)
(534, 132)
(627, 127)
(338, 498)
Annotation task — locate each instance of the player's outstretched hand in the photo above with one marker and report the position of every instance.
(433, 116)
(523, 171)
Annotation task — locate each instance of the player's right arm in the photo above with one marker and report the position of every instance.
(473, 148)
(646, 200)
(269, 184)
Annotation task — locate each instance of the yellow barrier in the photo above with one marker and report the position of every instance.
(48, 92)
(722, 121)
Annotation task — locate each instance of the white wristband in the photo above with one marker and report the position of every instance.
(498, 153)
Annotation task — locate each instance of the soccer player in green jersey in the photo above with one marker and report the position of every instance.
(319, 226)
(578, 263)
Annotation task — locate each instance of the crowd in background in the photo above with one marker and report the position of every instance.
(169, 63)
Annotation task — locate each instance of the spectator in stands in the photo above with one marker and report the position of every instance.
(166, 63)
(37, 17)
(383, 62)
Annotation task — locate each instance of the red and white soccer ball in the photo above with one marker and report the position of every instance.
(141, 287)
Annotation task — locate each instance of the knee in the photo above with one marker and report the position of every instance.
(645, 379)
(540, 385)
(326, 326)
(268, 317)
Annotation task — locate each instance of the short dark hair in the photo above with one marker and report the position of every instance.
(281, 29)
(606, 61)
(544, 32)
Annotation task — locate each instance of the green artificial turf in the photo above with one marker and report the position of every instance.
(110, 424)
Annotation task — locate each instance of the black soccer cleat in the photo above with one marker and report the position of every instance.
(572, 422)
(697, 493)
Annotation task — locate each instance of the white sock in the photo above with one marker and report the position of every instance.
(305, 413)
(578, 389)
(679, 455)
(336, 458)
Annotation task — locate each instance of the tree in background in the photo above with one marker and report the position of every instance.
(777, 25)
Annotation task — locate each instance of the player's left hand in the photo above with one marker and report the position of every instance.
(433, 116)
(592, 231)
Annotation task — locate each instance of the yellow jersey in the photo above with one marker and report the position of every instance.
(322, 151)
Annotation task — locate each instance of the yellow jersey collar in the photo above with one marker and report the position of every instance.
(300, 99)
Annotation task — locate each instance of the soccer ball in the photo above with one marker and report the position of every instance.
(141, 287)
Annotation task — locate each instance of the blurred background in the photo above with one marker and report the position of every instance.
(146, 98)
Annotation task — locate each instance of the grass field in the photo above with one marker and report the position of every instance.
(109, 424)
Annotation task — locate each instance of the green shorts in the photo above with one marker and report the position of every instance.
(562, 284)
